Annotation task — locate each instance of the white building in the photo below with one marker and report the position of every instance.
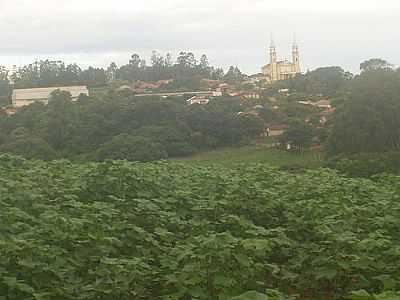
(198, 100)
(23, 97)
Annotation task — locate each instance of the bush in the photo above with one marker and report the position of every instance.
(30, 147)
(367, 164)
(131, 148)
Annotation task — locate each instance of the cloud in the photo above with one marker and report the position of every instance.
(230, 32)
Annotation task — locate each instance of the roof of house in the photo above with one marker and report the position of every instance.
(323, 103)
(124, 87)
(278, 127)
(44, 93)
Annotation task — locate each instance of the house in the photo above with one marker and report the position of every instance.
(124, 88)
(23, 97)
(259, 77)
(250, 95)
(224, 88)
(198, 100)
(248, 113)
(326, 114)
(142, 86)
(324, 104)
(305, 102)
(10, 110)
(284, 91)
(211, 83)
(276, 130)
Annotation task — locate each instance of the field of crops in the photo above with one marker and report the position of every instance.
(168, 230)
(256, 154)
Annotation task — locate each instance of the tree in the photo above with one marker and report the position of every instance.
(22, 142)
(157, 60)
(204, 63)
(135, 61)
(374, 64)
(94, 76)
(168, 60)
(131, 148)
(299, 135)
(234, 75)
(111, 72)
(5, 88)
(59, 119)
(217, 74)
(251, 126)
(369, 121)
(325, 81)
(186, 59)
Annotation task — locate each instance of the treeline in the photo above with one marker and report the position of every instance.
(186, 70)
(122, 126)
(321, 82)
(368, 123)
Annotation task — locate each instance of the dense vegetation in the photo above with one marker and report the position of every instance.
(186, 71)
(119, 230)
(122, 126)
(326, 82)
(370, 120)
(118, 125)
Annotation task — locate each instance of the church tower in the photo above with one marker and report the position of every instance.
(273, 61)
(296, 57)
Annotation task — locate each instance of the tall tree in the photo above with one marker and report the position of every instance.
(370, 120)
(375, 64)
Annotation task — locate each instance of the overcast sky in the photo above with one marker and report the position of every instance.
(234, 32)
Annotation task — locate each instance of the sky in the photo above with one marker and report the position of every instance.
(236, 32)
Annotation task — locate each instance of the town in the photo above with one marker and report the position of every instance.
(266, 97)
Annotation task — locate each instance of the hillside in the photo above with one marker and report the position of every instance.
(119, 230)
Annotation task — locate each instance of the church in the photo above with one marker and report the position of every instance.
(283, 69)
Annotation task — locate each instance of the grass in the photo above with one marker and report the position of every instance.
(256, 154)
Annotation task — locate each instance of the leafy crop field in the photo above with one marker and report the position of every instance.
(119, 230)
(256, 154)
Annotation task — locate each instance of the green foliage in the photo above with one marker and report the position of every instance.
(76, 130)
(363, 295)
(234, 76)
(120, 230)
(131, 148)
(366, 164)
(29, 147)
(251, 296)
(186, 71)
(325, 81)
(369, 121)
(299, 135)
(374, 64)
(231, 157)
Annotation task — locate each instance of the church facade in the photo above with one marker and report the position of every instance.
(283, 69)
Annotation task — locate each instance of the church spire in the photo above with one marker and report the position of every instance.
(296, 55)
(295, 45)
(272, 50)
(272, 42)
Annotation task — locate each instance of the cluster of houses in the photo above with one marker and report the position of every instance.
(143, 87)
(213, 89)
